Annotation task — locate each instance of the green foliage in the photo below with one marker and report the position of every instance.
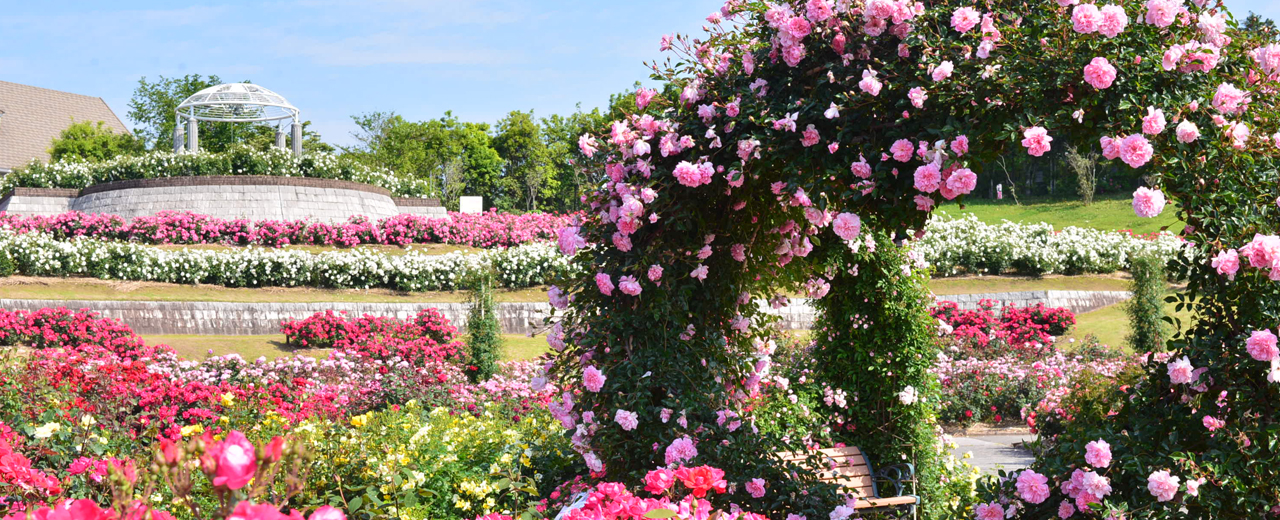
(1146, 310)
(520, 143)
(452, 157)
(890, 338)
(87, 141)
(263, 137)
(484, 331)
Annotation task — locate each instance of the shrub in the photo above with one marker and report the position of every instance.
(484, 331)
(1148, 331)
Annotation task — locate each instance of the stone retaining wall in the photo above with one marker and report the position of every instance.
(226, 318)
(244, 319)
(226, 197)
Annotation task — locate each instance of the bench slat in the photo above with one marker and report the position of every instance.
(885, 502)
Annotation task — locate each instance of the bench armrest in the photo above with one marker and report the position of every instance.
(899, 475)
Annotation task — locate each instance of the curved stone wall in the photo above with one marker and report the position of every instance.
(225, 197)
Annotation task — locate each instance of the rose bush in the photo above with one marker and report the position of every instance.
(486, 230)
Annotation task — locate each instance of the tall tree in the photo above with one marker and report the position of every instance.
(519, 143)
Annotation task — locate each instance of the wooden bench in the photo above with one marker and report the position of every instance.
(850, 469)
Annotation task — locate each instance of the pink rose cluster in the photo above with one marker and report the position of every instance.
(1148, 203)
(1263, 252)
(1109, 20)
(488, 229)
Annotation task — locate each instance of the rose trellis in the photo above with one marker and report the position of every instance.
(793, 148)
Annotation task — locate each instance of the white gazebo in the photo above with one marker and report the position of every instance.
(235, 103)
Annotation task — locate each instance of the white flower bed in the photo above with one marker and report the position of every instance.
(955, 246)
(39, 254)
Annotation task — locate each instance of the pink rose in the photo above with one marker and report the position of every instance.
(604, 283)
(962, 181)
(1227, 263)
(1262, 345)
(1098, 453)
(1229, 99)
(680, 450)
(1148, 203)
(1153, 123)
(1099, 72)
(1162, 485)
(1187, 131)
(235, 462)
(644, 96)
(1065, 510)
(699, 272)
(1162, 13)
(1181, 371)
(1135, 150)
(928, 178)
(1036, 140)
(917, 96)
(902, 150)
(593, 379)
(965, 19)
(992, 511)
(655, 273)
(627, 420)
(1110, 147)
(1212, 424)
(659, 480)
(327, 513)
(869, 83)
(923, 202)
(1086, 18)
(847, 226)
(629, 285)
(960, 145)
(1033, 487)
(755, 487)
(1114, 20)
(942, 71)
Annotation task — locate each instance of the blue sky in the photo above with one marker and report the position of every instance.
(336, 58)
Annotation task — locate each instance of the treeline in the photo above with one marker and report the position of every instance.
(524, 163)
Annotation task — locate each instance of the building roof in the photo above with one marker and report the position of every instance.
(31, 117)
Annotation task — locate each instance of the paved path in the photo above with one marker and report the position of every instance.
(991, 452)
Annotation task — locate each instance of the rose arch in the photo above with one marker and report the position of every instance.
(798, 147)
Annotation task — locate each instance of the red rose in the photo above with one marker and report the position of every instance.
(701, 479)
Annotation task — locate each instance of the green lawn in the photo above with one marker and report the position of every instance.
(997, 284)
(1110, 213)
(518, 346)
(1111, 324)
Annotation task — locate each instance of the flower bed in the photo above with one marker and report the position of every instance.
(240, 160)
(1028, 331)
(40, 254)
(486, 230)
(966, 245)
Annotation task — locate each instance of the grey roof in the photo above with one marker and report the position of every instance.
(31, 117)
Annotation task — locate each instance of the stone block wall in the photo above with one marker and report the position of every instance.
(38, 201)
(799, 314)
(244, 319)
(225, 197)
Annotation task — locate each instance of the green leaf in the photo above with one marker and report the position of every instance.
(355, 503)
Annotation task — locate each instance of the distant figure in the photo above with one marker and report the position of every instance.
(999, 192)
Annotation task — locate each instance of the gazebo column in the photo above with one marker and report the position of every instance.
(297, 138)
(280, 137)
(178, 137)
(193, 136)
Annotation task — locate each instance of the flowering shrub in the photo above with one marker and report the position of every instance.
(39, 254)
(485, 230)
(240, 160)
(966, 245)
(425, 339)
(1029, 331)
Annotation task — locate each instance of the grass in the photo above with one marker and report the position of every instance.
(1111, 324)
(518, 346)
(33, 288)
(1106, 213)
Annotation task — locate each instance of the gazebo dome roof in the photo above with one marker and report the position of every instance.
(237, 102)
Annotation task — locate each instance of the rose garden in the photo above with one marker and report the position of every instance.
(798, 156)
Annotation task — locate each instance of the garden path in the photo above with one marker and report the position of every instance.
(992, 452)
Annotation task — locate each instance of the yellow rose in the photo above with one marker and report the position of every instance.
(228, 399)
(360, 420)
(192, 429)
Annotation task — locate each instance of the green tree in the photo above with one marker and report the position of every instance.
(567, 178)
(92, 142)
(1265, 27)
(264, 136)
(454, 157)
(519, 143)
